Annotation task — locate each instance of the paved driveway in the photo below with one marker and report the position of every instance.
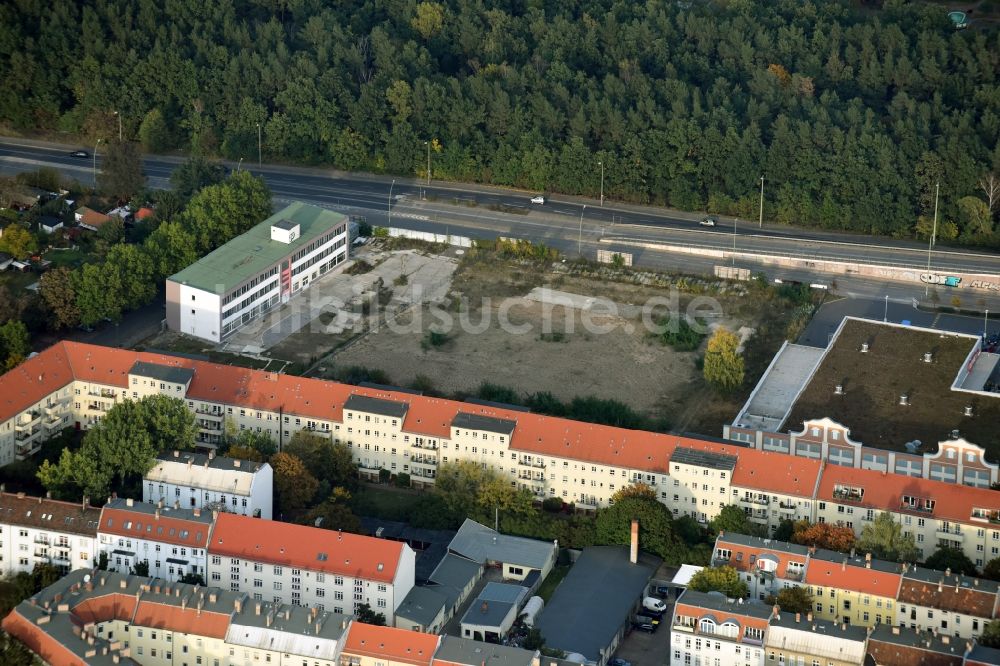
(644, 649)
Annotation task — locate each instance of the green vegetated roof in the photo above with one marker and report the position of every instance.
(247, 255)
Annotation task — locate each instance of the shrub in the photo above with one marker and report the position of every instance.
(552, 504)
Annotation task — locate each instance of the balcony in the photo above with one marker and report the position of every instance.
(916, 508)
(97, 406)
(537, 464)
(951, 536)
(212, 414)
(212, 426)
(786, 507)
(423, 474)
(429, 461)
(28, 448)
(749, 640)
(42, 553)
(55, 408)
(101, 393)
(794, 574)
(28, 420)
(719, 560)
(425, 445)
(765, 574)
(848, 494)
(42, 539)
(53, 423)
(760, 501)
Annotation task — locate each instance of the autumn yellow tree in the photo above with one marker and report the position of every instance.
(724, 365)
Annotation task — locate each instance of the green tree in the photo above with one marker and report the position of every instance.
(884, 538)
(171, 247)
(496, 493)
(976, 216)
(140, 569)
(991, 635)
(294, 486)
(122, 446)
(334, 514)
(330, 463)
(59, 295)
(133, 269)
(121, 170)
(98, 294)
(15, 653)
(259, 443)
(153, 133)
(219, 212)
(429, 19)
(15, 343)
(365, 614)
(951, 558)
(785, 530)
(193, 579)
(992, 569)
(795, 599)
(195, 174)
(458, 484)
(732, 519)
(719, 579)
(18, 242)
(613, 525)
(724, 365)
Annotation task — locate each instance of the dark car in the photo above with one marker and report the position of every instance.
(79, 153)
(644, 626)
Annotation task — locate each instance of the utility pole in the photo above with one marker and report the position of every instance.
(258, 147)
(119, 126)
(579, 240)
(601, 164)
(930, 244)
(761, 225)
(390, 201)
(95, 163)
(986, 321)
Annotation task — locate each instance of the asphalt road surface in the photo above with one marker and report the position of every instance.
(571, 224)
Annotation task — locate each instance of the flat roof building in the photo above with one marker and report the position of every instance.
(211, 482)
(255, 271)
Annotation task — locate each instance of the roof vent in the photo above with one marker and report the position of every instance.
(968, 410)
(928, 357)
(839, 389)
(864, 347)
(904, 400)
(913, 447)
(954, 433)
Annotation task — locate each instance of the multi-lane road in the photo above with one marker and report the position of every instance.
(569, 223)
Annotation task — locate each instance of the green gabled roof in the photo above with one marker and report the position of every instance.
(248, 254)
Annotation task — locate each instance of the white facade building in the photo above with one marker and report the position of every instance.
(306, 566)
(710, 630)
(172, 542)
(256, 271)
(210, 482)
(38, 530)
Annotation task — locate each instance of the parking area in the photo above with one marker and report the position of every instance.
(648, 649)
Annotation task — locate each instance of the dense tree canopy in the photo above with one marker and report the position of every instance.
(852, 115)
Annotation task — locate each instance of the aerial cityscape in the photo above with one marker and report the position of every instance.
(521, 333)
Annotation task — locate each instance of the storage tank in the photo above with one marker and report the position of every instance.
(532, 609)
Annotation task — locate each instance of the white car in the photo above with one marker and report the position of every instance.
(538, 200)
(707, 222)
(654, 604)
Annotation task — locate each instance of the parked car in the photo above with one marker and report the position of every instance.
(618, 661)
(538, 200)
(708, 221)
(654, 604)
(648, 627)
(79, 153)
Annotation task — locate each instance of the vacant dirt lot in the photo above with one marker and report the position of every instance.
(488, 329)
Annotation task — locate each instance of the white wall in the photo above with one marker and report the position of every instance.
(18, 547)
(200, 313)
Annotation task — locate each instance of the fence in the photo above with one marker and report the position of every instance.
(448, 239)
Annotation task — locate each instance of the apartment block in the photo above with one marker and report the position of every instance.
(308, 566)
(891, 646)
(766, 565)
(796, 639)
(711, 630)
(252, 273)
(40, 530)
(211, 483)
(171, 542)
(369, 645)
(946, 602)
(581, 463)
(851, 589)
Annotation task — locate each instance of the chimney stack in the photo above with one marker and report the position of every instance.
(776, 611)
(868, 560)
(798, 618)
(633, 555)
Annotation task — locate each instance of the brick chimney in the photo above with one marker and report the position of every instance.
(633, 555)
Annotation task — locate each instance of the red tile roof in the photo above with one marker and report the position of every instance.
(391, 644)
(143, 213)
(305, 547)
(898, 654)
(949, 594)
(721, 616)
(851, 577)
(885, 492)
(33, 380)
(92, 218)
(164, 528)
(185, 620)
(747, 550)
(111, 606)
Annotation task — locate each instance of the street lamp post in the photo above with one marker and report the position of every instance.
(390, 200)
(428, 144)
(95, 162)
(119, 126)
(239, 165)
(258, 147)
(885, 315)
(601, 164)
(761, 225)
(986, 321)
(930, 243)
(579, 239)
(735, 220)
